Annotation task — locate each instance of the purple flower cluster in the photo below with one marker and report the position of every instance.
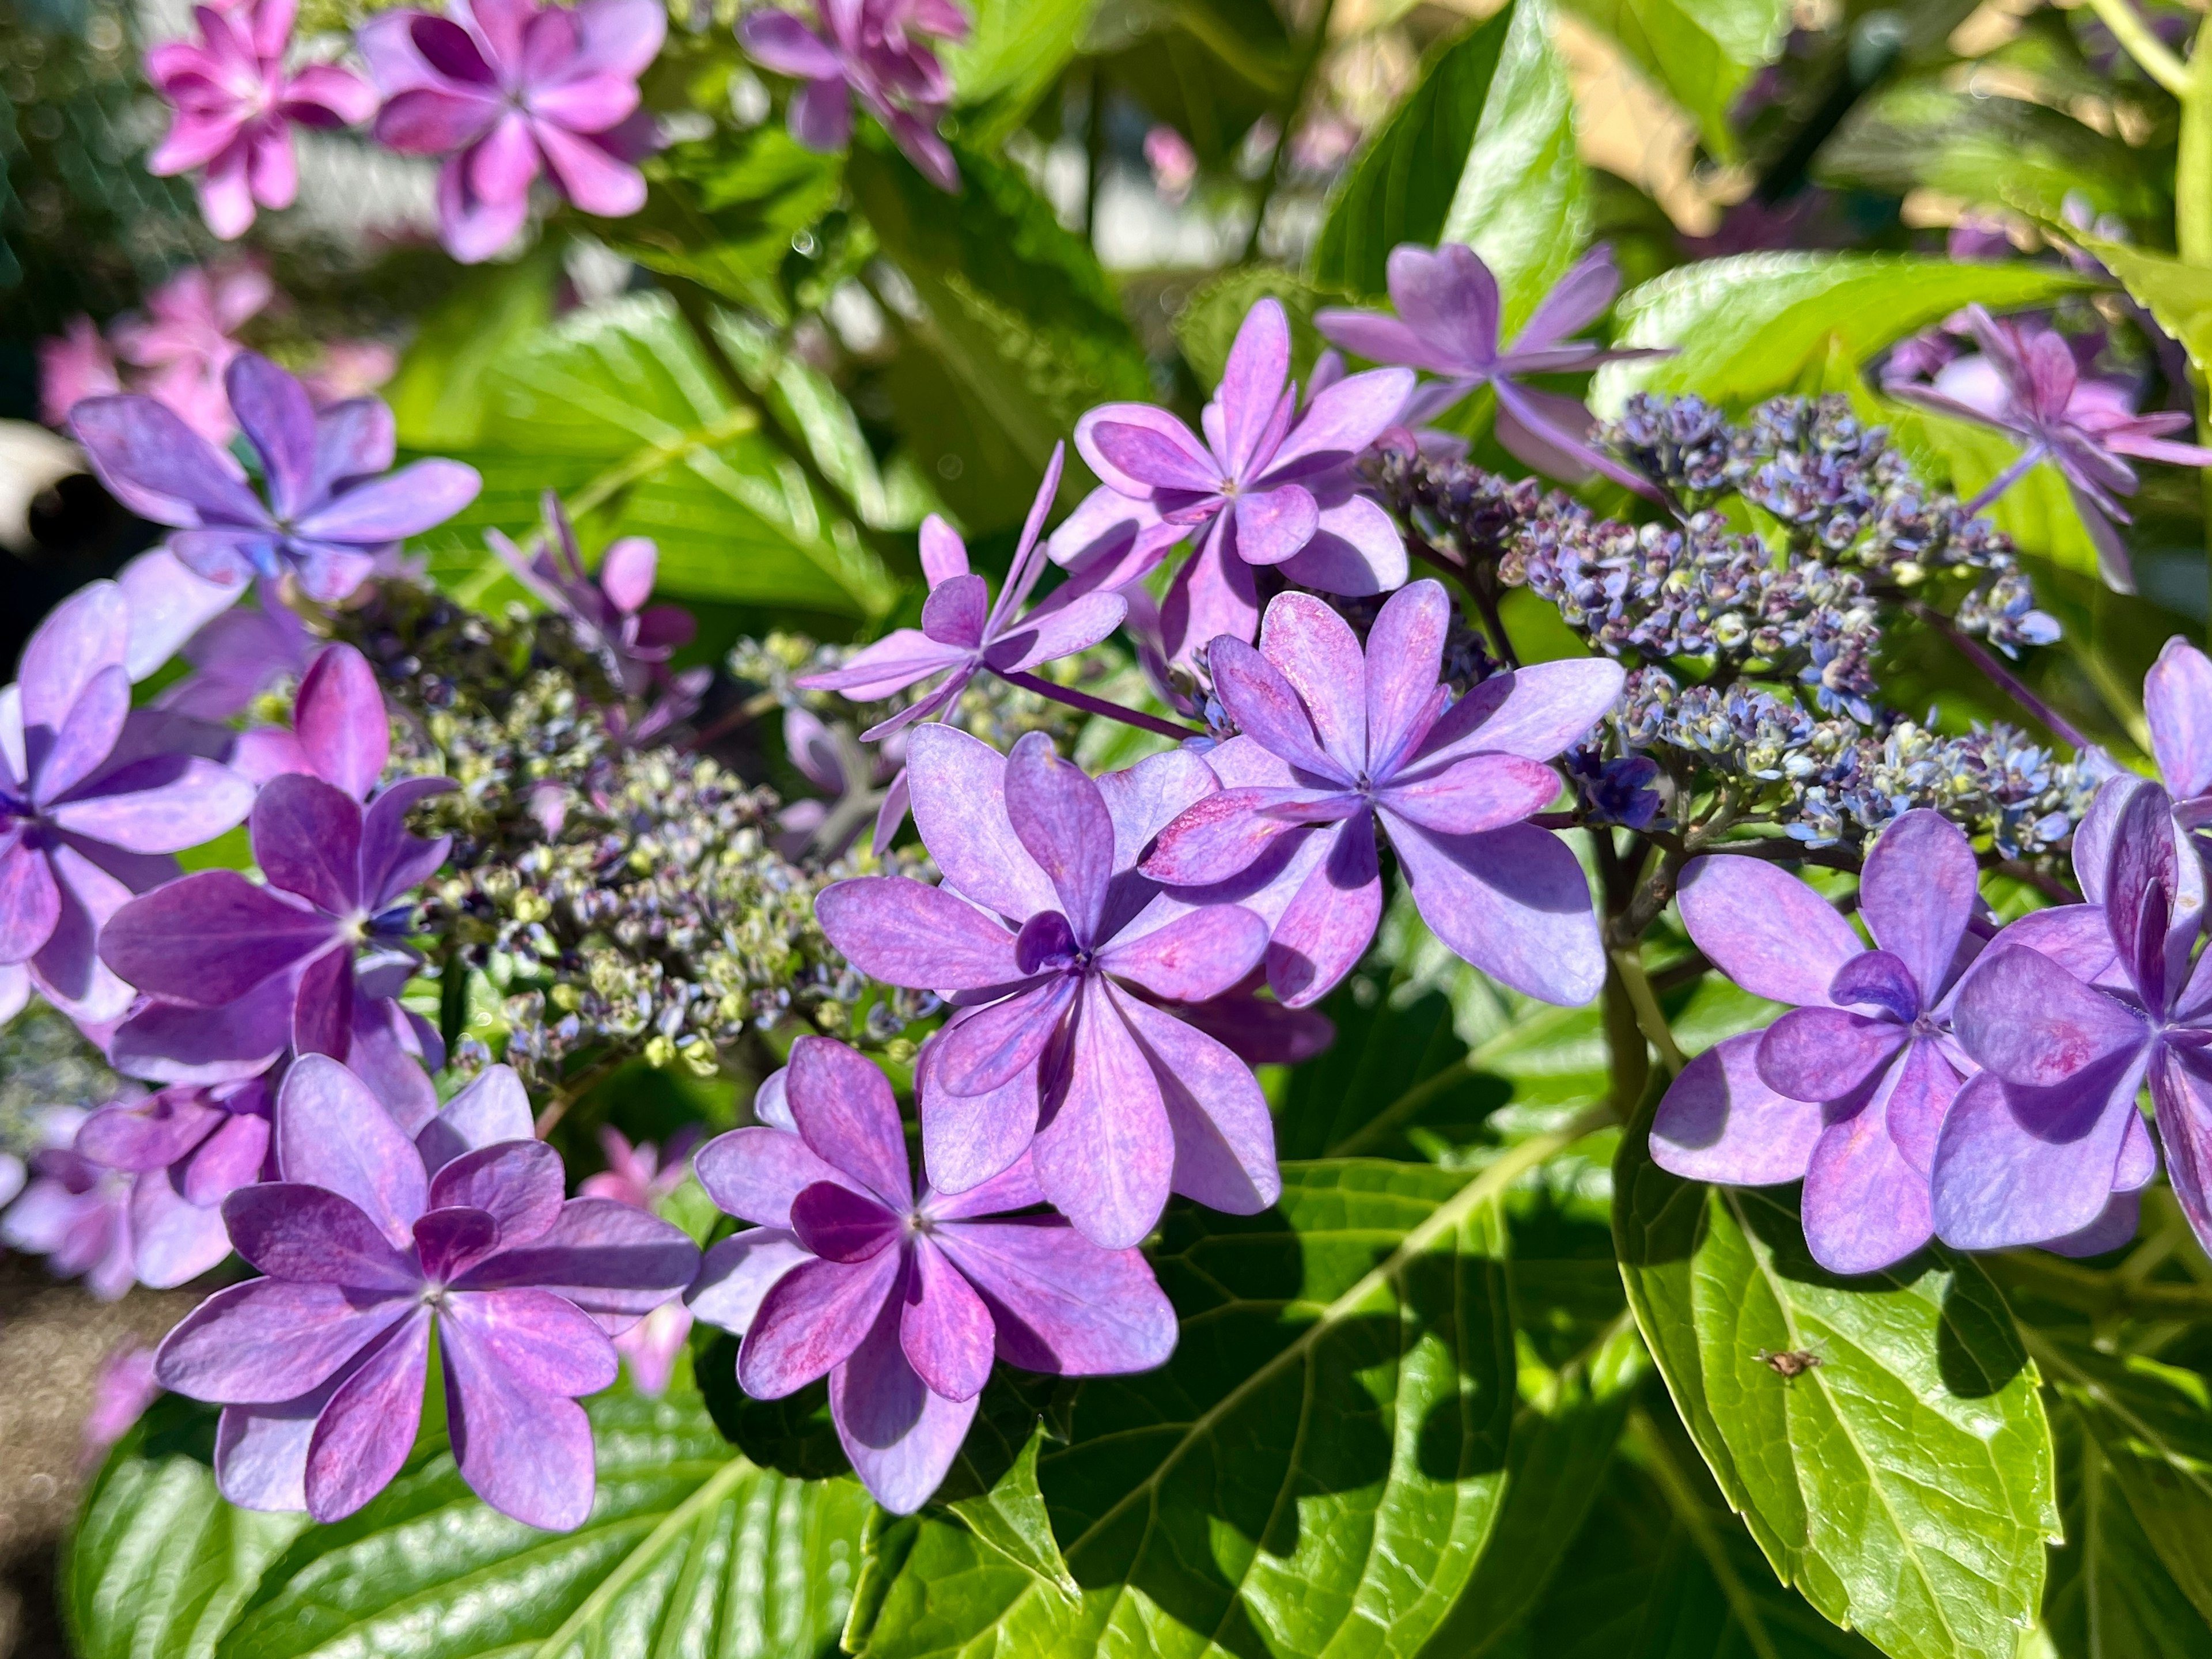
(872, 50)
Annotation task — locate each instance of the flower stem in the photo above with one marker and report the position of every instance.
(1091, 705)
(2005, 479)
(2155, 59)
(2055, 723)
(1650, 1019)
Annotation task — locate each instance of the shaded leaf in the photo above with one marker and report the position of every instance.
(438, 396)
(1702, 53)
(1905, 1484)
(2179, 296)
(1016, 52)
(1754, 325)
(1206, 325)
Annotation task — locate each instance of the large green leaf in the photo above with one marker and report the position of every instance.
(617, 409)
(1017, 50)
(1754, 325)
(158, 1563)
(1523, 201)
(1702, 51)
(2179, 296)
(1401, 188)
(690, 1549)
(1018, 331)
(1316, 1470)
(1905, 1484)
(438, 396)
(1206, 326)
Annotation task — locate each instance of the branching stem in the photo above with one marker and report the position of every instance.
(1101, 706)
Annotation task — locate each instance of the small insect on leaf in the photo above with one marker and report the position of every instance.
(1794, 1362)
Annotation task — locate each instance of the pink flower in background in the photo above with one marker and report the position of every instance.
(121, 1390)
(871, 50)
(640, 1176)
(349, 368)
(235, 108)
(504, 89)
(1173, 161)
(74, 366)
(184, 341)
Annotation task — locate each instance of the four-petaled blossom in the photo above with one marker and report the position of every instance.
(2070, 1011)
(370, 1240)
(502, 88)
(186, 1149)
(185, 342)
(871, 50)
(1046, 931)
(1270, 486)
(902, 1300)
(1448, 323)
(963, 632)
(2027, 382)
(93, 797)
(310, 960)
(235, 108)
(1335, 742)
(608, 612)
(1847, 1093)
(640, 1176)
(331, 512)
(75, 1213)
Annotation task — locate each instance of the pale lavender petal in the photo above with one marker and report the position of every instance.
(1915, 1097)
(1252, 382)
(173, 1241)
(518, 1183)
(955, 610)
(777, 40)
(526, 1452)
(1061, 821)
(1326, 926)
(944, 555)
(85, 635)
(2116, 1227)
(414, 499)
(2177, 703)
(983, 1051)
(754, 1173)
(544, 1343)
(493, 1106)
(1357, 550)
(1513, 902)
(1013, 1187)
(1229, 832)
(1719, 1121)
(75, 748)
(30, 903)
(1404, 660)
(1765, 928)
(967, 1140)
(195, 801)
(1268, 708)
(846, 1112)
(364, 1434)
(1145, 798)
(820, 115)
(1826, 1053)
(958, 786)
(1865, 1207)
(1481, 792)
(1314, 650)
(1107, 1157)
(1194, 956)
(333, 1133)
(1224, 1141)
(2182, 1097)
(268, 1338)
(614, 1262)
(2031, 1022)
(1448, 297)
(1053, 631)
(1546, 707)
(173, 1043)
(1134, 448)
(944, 1329)
(261, 1450)
(901, 1436)
(340, 717)
(1061, 1304)
(1214, 594)
(2015, 1165)
(738, 1272)
(904, 933)
(1273, 525)
(1342, 421)
(1382, 339)
(890, 665)
(811, 1319)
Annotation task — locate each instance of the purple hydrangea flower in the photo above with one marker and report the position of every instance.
(370, 1241)
(502, 89)
(168, 605)
(2027, 382)
(237, 973)
(1335, 742)
(861, 787)
(330, 511)
(186, 1149)
(2069, 1014)
(871, 50)
(122, 1388)
(92, 798)
(1270, 486)
(964, 633)
(240, 654)
(75, 1213)
(235, 108)
(1041, 928)
(902, 1301)
(640, 1176)
(608, 613)
(1448, 323)
(1847, 1093)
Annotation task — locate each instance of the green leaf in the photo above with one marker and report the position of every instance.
(617, 409)
(1206, 326)
(158, 1563)
(1752, 326)
(1316, 1470)
(1397, 1064)
(438, 397)
(2179, 296)
(1020, 332)
(1701, 53)
(689, 1549)
(2111, 1594)
(993, 1489)
(1009, 60)
(1400, 189)
(722, 211)
(1905, 1484)
(1522, 202)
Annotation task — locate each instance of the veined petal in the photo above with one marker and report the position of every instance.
(1720, 1121)
(1765, 928)
(1107, 1159)
(904, 933)
(1513, 901)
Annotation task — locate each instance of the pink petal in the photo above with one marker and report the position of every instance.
(364, 1434)
(1331, 915)
(1107, 1157)
(1061, 1305)
(811, 1319)
(1765, 928)
(944, 1329)
(1224, 1138)
(594, 180)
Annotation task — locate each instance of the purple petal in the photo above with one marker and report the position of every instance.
(194, 801)
(1252, 383)
(1826, 1053)
(984, 1050)
(1332, 913)
(1273, 525)
(1227, 833)
(1192, 957)
(894, 662)
(1720, 1121)
(159, 467)
(173, 1241)
(1577, 300)
(2031, 1023)
(1765, 928)
(333, 1133)
(270, 1338)
(1865, 1207)
(1876, 978)
(518, 1183)
(2178, 703)
(1135, 448)
(1448, 297)
(364, 1434)
(954, 612)
(1013, 1187)
(524, 1451)
(393, 862)
(754, 1173)
(1061, 1305)
(967, 1141)
(151, 1134)
(738, 1272)
(904, 933)
(1536, 712)
(1144, 799)
(820, 115)
(1915, 1097)
(901, 1436)
(614, 1262)
(1224, 1141)
(493, 1107)
(30, 903)
(1107, 1157)
(2182, 1097)
(273, 410)
(1404, 660)
(85, 635)
(1380, 339)
(66, 968)
(1212, 595)
(959, 785)
(834, 1222)
(322, 1005)
(1342, 420)
(308, 1236)
(1513, 902)
(543, 1343)
(944, 555)
(174, 1043)
(1481, 792)
(306, 839)
(944, 1329)
(2015, 1165)
(340, 717)
(1061, 820)
(168, 605)
(414, 499)
(1057, 630)
(846, 1112)
(210, 937)
(812, 1318)
(1315, 651)
(1268, 708)
(82, 742)
(2116, 1226)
